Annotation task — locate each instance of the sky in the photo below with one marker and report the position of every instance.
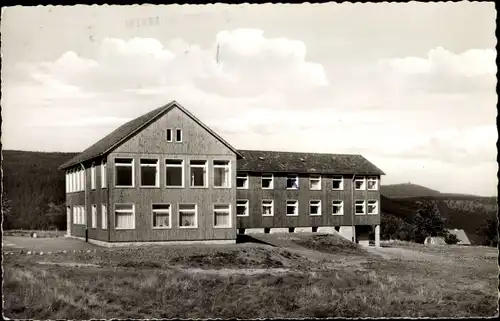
(410, 86)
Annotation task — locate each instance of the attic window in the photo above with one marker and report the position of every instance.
(178, 135)
(169, 134)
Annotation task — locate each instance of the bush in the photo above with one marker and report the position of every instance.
(451, 238)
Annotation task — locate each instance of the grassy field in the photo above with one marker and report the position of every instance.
(316, 276)
(39, 233)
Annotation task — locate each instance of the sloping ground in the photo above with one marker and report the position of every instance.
(246, 281)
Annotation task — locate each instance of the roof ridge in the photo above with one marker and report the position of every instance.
(289, 152)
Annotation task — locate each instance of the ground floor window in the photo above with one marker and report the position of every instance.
(242, 208)
(222, 215)
(187, 215)
(124, 216)
(104, 216)
(161, 215)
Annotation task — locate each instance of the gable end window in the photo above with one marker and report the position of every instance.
(169, 135)
(188, 216)
(178, 135)
(174, 172)
(222, 173)
(161, 215)
(124, 216)
(149, 173)
(222, 215)
(124, 172)
(198, 173)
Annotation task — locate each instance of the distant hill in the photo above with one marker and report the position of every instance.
(31, 181)
(459, 211)
(407, 190)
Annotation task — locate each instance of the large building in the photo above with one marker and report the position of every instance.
(167, 177)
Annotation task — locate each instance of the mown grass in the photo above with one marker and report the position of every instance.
(39, 233)
(143, 283)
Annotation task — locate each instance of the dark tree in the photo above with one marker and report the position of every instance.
(489, 230)
(427, 222)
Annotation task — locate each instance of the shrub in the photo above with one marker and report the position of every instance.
(450, 238)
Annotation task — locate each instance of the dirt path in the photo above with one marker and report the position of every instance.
(403, 254)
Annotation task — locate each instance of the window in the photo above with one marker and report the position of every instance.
(124, 216)
(338, 183)
(359, 184)
(222, 215)
(242, 181)
(360, 207)
(92, 176)
(161, 216)
(315, 182)
(169, 134)
(292, 182)
(104, 217)
(124, 172)
(83, 214)
(78, 215)
(338, 207)
(187, 215)
(314, 208)
(267, 208)
(104, 174)
(149, 173)
(222, 176)
(372, 207)
(69, 177)
(78, 180)
(242, 208)
(292, 208)
(94, 216)
(267, 181)
(66, 182)
(174, 172)
(178, 135)
(198, 170)
(372, 183)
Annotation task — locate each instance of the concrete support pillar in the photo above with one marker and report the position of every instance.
(377, 235)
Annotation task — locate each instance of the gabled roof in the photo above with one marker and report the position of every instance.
(127, 130)
(461, 235)
(294, 162)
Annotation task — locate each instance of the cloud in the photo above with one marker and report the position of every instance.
(444, 71)
(247, 64)
(466, 146)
